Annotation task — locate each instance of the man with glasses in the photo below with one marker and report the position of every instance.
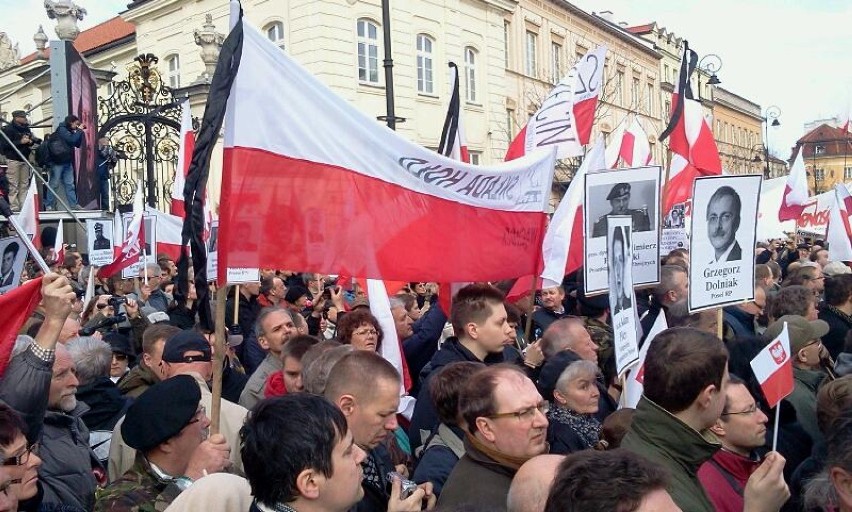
(186, 353)
(168, 426)
(19, 471)
(741, 429)
(273, 329)
(805, 352)
(504, 416)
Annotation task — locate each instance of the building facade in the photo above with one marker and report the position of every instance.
(827, 154)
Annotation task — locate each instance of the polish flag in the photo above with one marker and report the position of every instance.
(774, 368)
(17, 305)
(631, 145)
(355, 194)
(839, 232)
(844, 119)
(566, 116)
(28, 216)
(59, 244)
(391, 348)
(634, 382)
(690, 139)
(168, 232)
(187, 144)
(131, 247)
(795, 191)
(564, 246)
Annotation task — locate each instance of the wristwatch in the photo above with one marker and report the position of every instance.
(183, 482)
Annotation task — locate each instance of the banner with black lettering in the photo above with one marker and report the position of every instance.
(724, 225)
(622, 300)
(634, 193)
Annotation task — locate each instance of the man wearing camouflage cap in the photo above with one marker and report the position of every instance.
(619, 199)
(168, 426)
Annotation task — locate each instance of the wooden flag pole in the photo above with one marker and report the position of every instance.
(528, 328)
(720, 324)
(236, 306)
(218, 360)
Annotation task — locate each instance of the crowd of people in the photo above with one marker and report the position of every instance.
(108, 405)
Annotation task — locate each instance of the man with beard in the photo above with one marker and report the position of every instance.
(552, 309)
(723, 221)
(619, 200)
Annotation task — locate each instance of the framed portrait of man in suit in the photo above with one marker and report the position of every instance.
(13, 254)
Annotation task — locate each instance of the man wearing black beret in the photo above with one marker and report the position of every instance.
(167, 426)
(619, 200)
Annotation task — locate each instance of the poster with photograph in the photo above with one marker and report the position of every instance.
(622, 300)
(675, 232)
(149, 249)
(212, 251)
(100, 241)
(13, 254)
(724, 223)
(634, 193)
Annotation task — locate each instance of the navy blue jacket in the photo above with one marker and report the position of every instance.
(420, 347)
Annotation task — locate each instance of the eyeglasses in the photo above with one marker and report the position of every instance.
(366, 332)
(524, 414)
(748, 412)
(200, 413)
(20, 460)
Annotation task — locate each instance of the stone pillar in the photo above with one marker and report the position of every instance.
(66, 13)
(40, 39)
(210, 42)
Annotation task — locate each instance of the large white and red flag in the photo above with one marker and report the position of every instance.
(59, 244)
(566, 116)
(795, 196)
(134, 238)
(694, 151)
(634, 382)
(355, 195)
(564, 246)
(773, 368)
(630, 145)
(187, 145)
(28, 216)
(839, 232)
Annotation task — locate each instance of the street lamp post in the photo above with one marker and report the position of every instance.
(771, 115)
(710, 64)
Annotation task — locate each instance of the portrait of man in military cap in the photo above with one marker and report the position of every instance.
(101, 242)
(619, 200)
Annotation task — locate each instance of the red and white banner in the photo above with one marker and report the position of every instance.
(773, 368)
(187, 145)
(59, 244)
(168, 232)
(28, 216)
(634, 382)
(795, 191)
(564, 245)
(566, 116)
(839, 233)
(17, 305)
(630, 145)
(337, 190)
(391, 348)
(131, 247)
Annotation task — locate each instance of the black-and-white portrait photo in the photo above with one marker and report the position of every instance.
(635, 195)
(212, 251)
(13, 254)
(621, 296)
(101, 241)
(676, 218)
(619, 256)
(722, 240)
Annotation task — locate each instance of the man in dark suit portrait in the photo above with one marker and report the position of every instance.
(618, 259)
(7, 272)
(619, 200)
(101, 242)
(723, 221)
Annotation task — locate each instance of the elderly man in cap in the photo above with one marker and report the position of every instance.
(619, 199)
(101, 242)
(168, 426)
(185, 353)
(805, 351)
(18, 172)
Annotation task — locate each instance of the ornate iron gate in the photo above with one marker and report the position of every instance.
(142, 121)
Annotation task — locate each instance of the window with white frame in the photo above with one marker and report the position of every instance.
(619, 87)
(425, 83)
(510, 124)
(532, 45)
(507, 35)
(275, 33)
(649, 100)
(634, 93)
(173, 65)
(475, 157)
(819, 174)
(470, 92)
(555, 62)
(847, 173)
(368, 51)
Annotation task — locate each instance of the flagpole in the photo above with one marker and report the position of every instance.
(6, 210)
(218, 359)
(528, 327)
(720, 324)
(775, 430)
(236, 305)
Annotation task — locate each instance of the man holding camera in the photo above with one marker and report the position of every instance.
(18, 172)
(68, 135)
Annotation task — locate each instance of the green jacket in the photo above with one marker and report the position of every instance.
(138, 490)
(803, 399)
(137, 380)
(665, 440)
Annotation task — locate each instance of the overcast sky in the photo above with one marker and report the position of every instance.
(789, 53)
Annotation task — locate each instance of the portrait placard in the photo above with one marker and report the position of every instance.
(213, 251)
(675, 232)
(634, 193)
(622, 300)
(100, 241)
(724, 224)
(13, 254)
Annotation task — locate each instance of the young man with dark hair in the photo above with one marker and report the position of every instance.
(70, 131)
(481, 327)
(149, 371)
(609, 480)
(289, 379)
(301, 455)
(686, 376)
